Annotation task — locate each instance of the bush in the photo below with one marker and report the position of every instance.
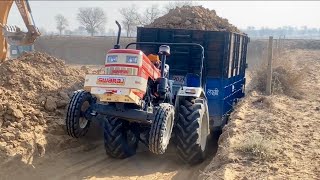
(286, 78)
(255, 145)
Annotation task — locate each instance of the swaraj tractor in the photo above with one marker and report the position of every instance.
(161, 90)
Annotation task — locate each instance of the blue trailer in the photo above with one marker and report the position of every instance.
(224, 64)
(16, 51)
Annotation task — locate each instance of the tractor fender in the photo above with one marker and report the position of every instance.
(185, 91)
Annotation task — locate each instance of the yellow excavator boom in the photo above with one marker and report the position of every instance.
(5, 7)
(11, 34)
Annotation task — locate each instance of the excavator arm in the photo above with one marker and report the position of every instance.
(5, 7)
(12, 34)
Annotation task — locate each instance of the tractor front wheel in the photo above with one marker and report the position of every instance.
(77, 124)
(119, 140)
(192, 130)
(161, 128)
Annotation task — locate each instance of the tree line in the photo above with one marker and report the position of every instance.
(92, 20)
(283, 32)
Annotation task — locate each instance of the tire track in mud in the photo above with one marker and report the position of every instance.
(89, 161)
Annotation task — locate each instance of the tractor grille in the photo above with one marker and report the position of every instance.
(116, 70)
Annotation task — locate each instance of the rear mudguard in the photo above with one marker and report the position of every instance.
(196, 92)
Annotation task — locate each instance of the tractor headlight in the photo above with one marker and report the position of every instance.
(190, 91)
(112, 58)
(132, 59)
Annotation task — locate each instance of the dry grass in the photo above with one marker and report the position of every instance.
(287, 78)
(263, 102)
(255, 145)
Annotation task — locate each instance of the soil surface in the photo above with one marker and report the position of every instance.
(35, 90)
(274, 137)
(193, 17)
(268, 137)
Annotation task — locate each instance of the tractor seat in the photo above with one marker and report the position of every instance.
(192, 80)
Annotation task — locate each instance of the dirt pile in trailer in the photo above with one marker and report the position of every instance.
(34, 92)
(277, 136)
(193, 17)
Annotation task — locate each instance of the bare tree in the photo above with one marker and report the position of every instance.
(92, 19)
(174, 4)
(62, 23)
(131, 19)
(150, 14)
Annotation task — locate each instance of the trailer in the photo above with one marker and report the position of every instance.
(223, 69)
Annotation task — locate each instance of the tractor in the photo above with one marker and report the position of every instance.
(163, 90)
(135, 102)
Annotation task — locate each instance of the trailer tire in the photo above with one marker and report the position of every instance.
(119, 141)
(77, 125)
(161, 128)
(192, 130)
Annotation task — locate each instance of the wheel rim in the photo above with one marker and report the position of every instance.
(203, 132)
(167, 134)
(83, 121)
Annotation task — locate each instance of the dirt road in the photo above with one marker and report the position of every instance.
(89, 161)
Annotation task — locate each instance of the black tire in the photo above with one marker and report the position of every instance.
(77, 125)
(192, 130)
(119, 141)
(161, 128)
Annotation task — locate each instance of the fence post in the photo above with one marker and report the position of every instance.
(279, 46)
(276, 48)
(269, 68)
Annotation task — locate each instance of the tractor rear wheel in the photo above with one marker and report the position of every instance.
(161, 128)
(192, 130)
(119, 141)
(77, 124)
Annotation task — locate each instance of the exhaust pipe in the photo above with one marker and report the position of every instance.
(117, 46)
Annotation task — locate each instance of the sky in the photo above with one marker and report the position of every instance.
(240, 13)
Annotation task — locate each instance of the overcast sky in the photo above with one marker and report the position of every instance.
(239, 13)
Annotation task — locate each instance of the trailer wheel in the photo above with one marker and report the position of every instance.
(161, 128)
(192, 130)
(119, 141)
(77, 124)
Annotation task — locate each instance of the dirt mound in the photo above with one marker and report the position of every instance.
(193, 17)
(35, 90)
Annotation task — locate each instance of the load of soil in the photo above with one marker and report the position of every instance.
(34, 92)
(193, 17)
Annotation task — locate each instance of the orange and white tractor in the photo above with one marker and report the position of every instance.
(126, 77)
(131, 97)
(134, 101)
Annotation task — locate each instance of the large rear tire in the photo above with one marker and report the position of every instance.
(192, 130)
(77, 124)
(161, 128)
(119, 141)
